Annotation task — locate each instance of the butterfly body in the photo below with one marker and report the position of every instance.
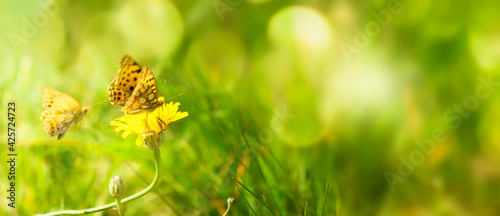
(61, 113)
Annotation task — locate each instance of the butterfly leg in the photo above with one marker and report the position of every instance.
(147, 126)
(161, 123)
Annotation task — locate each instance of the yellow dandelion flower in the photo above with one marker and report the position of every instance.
(149, 126)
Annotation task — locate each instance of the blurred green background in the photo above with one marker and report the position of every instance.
(315, 106)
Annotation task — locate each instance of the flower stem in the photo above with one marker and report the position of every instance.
(119, 206)
(227, 210)
(157, 157)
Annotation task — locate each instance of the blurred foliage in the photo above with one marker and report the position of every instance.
(274, 102)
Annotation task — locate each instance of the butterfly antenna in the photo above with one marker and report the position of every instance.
(174, 96)
(99, 102)
(165, 83)
(91, 98)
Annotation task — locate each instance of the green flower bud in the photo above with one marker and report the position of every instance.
(116, 186)
(230, 201)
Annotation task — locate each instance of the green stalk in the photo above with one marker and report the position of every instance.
(119, 206)
(227, 211)
(157, 157)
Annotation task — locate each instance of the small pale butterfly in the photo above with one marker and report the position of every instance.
(61, 113)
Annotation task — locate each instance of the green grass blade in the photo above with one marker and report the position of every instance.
(248, 204)
(337, 197)
(326, 195)
(255, 196)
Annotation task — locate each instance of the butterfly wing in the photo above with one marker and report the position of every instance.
(59, 102)
(120, 89)
(61, 112)
(144, 98)
(57, 124)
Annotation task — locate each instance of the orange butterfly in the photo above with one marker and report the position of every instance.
(134, 89)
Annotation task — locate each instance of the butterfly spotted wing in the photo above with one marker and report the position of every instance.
(144, 98)
(120, 89)
(61, 112)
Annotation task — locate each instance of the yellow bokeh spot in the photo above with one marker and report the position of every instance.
(302, 28)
